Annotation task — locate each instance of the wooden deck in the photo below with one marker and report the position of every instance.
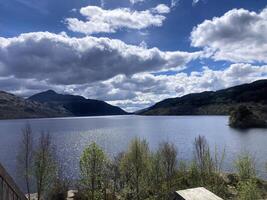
(195, 194)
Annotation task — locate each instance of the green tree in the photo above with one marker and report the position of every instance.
(135, 168)
(169, 161)
(92, 165)
(25, 157)
(44, 164)
(157, 175)
(115, 174)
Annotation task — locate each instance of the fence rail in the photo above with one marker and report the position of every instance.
(8, 188)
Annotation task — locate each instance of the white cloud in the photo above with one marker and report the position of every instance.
(60, 59)
(174, 3)
(136, 1)
(99, 20)
(161, 9)
(142, 90)
(102, 3)
(238, 36)
(195, 2)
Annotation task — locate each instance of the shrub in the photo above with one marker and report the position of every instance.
(245, 167)
(247, 190)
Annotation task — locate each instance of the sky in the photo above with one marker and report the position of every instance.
(131, 53)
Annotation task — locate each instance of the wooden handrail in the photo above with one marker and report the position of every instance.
(10, 183)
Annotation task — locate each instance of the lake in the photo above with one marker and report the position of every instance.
(113, 134)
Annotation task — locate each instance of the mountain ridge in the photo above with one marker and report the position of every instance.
(219, 102)
(77, 105)
(14, 107)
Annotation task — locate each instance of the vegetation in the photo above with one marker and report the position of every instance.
(25, 157)
(44, 164)
(247, 186)
(220, 102)
(77, 105)
(248, 190)
(14, 107)
(243, 117)
(39, 166)
(138, 173)
(92, 165)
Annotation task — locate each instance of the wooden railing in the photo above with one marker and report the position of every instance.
(8, 188)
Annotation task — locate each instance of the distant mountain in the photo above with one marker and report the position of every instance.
(253, 95)
(13, 107)
(77, 105)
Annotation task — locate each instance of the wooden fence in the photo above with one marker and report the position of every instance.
(8, 188)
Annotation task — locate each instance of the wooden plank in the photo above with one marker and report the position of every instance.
(197, 194)
(11, 183)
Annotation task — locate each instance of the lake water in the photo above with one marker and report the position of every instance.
(113, 134)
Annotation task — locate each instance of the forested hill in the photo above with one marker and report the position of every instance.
(77, 105)
(14, 107)
(253, 95)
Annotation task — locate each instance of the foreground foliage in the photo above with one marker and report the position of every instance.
(136, 174)
(140, 173)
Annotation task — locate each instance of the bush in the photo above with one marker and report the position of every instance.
(248, 190)
(245, 167)
(139, 174)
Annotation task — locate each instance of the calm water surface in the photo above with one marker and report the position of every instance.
(113, 134)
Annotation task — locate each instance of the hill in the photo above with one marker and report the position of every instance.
(13, 107)
(77, 105)
(221, 102)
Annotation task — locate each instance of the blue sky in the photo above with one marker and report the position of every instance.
(129, 53)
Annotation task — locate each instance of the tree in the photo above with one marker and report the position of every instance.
(203, 156)
(60, 183)
(44, 164)
(25, 156)
(116, 176)
(135, 167)
(206, 167)
(157, 175)
(92, 164)
(168, 154)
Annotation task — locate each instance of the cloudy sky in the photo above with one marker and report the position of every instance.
(131, 53)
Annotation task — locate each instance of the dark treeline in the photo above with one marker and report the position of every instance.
(138, 173)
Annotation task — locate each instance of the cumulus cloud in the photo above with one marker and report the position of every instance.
(99, 20)
(142, 90)
(238, 36)
(60, 59)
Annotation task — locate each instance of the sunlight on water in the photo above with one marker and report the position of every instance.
(114, 133)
